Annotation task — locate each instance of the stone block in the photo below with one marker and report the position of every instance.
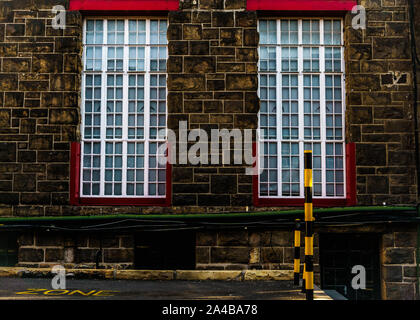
(46, 63)
(222, 19)
(63, 82)
(57, 171)
(186, 82)
(235, 4)
(24, 182)
(405, 239)
(391, 48)
(378, 184)
(16, 64)
(118, 255)
(399, 291)
(192, 32)
(369, 154)
(15, 30)
(230, 254)
(197, 47)
(272, 255)
(35, 198)
(232, 238)
(392, 273)
(398, 255)
(35, 27)
(224, 184)
(54, 254)
(241, 82)
(8, 82)
(202, 255)
(213, 200)
(30, 255)
(40, 142)
(63, 116)
(206, 238)
(199, 65)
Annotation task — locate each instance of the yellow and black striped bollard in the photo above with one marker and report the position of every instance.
(309, 243)
(297, 253)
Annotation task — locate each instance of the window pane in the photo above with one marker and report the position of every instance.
(115, 107)
(304, 119)
(268, 96)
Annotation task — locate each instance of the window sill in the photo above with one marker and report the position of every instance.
(350, 199)
(77, 200)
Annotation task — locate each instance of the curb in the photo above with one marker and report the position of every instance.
(162, 275)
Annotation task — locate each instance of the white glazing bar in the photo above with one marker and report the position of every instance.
(103, 106)
(147, 109)
(322, 107)
(125, 112)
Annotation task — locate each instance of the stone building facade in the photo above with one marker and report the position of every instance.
(212, 83)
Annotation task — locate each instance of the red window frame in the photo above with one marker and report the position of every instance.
(77, 200)
(350, 199)
(124, 5)
(300, 5)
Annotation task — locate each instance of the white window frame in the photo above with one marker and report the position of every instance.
(146, 124)
(278, 72)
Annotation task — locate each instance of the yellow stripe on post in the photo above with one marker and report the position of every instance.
(297, 238)
(296, 268)
(308, 178)
(310, 281)
(309, 246)
(308, 212)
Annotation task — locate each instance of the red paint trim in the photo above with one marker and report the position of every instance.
(74, 173)
(351, 173)
(350, 199)
(255, 188)
(76, 199)
(300, 5)
(122, 5)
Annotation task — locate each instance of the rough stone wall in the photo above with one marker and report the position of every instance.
(80, 251)
(379, 104)
(398, 260)
(246, 249)
(39, 106)
(212, 84)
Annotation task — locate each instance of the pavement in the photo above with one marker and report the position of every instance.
(14, 288)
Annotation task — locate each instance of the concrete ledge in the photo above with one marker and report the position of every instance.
(144, 275)
(265, 275)
(188, 275)
(209, 275)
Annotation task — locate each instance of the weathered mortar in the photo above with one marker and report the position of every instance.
(212, 84)
(379, 115)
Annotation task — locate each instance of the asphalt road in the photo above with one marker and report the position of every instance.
(41, 289)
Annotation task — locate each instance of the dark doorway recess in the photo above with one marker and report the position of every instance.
(165, 250)
(8, 249)
(339, 253)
